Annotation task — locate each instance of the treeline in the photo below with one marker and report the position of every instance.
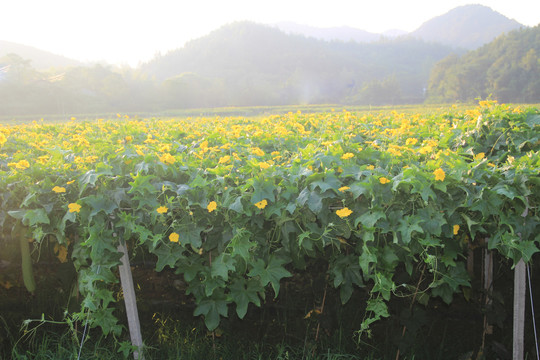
(74, 90)
(508, 69)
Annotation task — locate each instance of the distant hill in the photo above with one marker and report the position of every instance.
(468, 27)
(343, 33)
(40, 59)
(508, 69)
(254, 64)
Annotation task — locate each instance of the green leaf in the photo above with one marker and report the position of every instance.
(330, 182)
(192, 235)
(503, 189)
(303, 197)
(211, 309)
(36, 216)
(105, 319)
(359, 188)
(532, 120)
(237, 205)
(366, 259)
(141, 184)
(167, 256)
(472, 225)
(383, 285)
(346, 272)
(243, 292)
(221, 266)
(369, 218)
(272, 273)
(263, 189)
(241, 244)
(407, 226)
(444, 292)
(100, 203)
(314, 202)
(17, 214)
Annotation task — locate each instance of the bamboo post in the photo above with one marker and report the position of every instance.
(126, 280)
(519, 311)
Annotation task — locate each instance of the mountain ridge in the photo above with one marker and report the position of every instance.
(39, 59)
(467, 26)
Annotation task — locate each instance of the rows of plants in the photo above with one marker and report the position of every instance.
(236, 205)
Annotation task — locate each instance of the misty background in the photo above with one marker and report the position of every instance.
(468, 53)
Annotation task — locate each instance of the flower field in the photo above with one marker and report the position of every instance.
(236, 205)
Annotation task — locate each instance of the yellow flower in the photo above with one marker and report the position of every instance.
(164, 148)
(347, 156)
(59, 189)
(264, 165)
(3, 139)
(411, 141)
(174, 237)
(74, 207)
(43, 159)
(23, 164)
(70, 182)
(425, 149)
(261, 204)
(370, 167)
(225, 159)
(7, 285)
(456, 229)
(167, 159)
(344, 188)
(211, 206)
(343, 213)
(384, 180)
(257, 151)
(439, 174)
(479, 156)
(61, 252)
(162, 209)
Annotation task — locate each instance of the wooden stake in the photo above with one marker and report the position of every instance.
(488, 274)
(519, 311)
(126, 280)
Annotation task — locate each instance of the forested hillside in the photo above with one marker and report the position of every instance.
(507, 68)
(261, 65)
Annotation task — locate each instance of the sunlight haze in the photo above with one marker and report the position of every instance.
(129, 32)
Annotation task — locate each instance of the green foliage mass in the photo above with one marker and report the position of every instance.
(235, 205)
(507, 68)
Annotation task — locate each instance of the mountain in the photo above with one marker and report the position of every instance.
(39, 59)
(343, 33)
(508, 69)
(468, 27)
(245, 63)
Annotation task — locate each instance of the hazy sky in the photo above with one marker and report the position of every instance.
(130, 31)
